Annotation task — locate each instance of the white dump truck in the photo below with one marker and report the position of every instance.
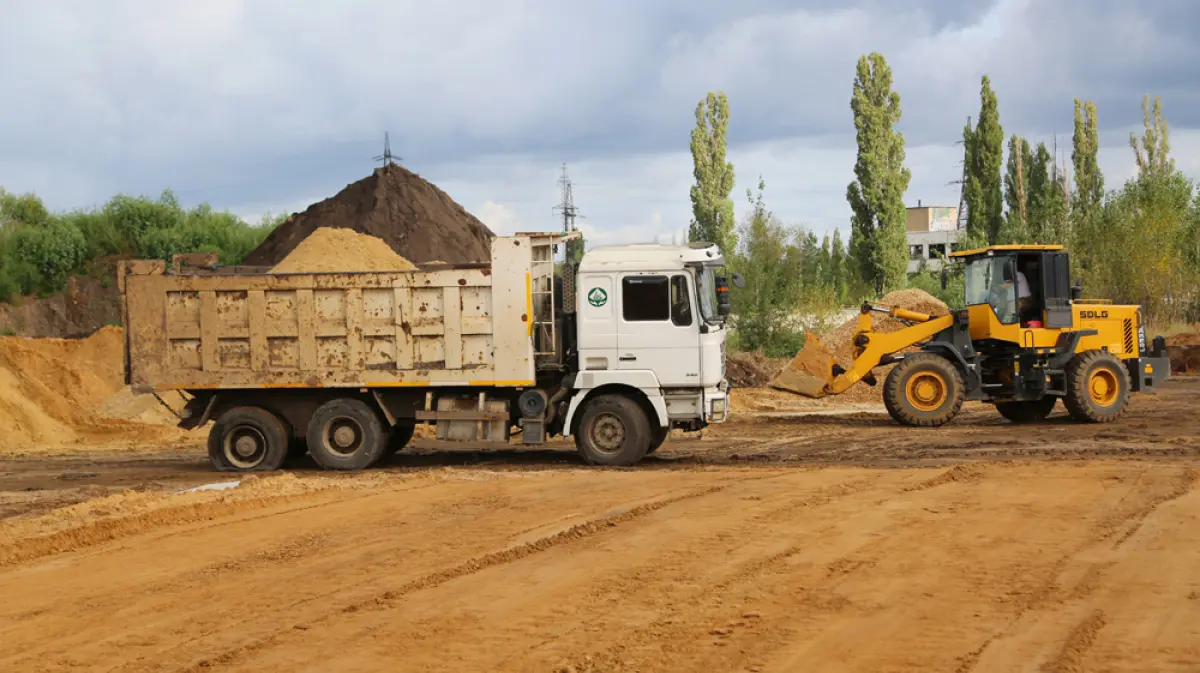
(614, 353)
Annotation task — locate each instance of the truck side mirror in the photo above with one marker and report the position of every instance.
(722, 296)
(1076, 292)
(739, 281)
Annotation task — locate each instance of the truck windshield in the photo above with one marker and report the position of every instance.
(706, 288)
(991, 280)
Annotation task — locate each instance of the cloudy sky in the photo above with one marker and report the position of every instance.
(268, 105)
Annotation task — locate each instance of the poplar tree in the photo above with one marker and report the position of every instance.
(984, 156)
(878, 241)
(712, 207)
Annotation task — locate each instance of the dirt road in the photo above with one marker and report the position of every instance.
(778, 543)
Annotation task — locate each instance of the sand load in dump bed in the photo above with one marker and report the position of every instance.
(415, 218)
(342, 250)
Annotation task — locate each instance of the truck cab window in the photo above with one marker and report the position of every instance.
(646, 298)
(681, 302)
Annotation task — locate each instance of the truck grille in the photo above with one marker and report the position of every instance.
(1128, 336)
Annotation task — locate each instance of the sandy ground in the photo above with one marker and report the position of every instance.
(798, 538)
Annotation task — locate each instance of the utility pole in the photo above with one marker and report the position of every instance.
(569, 212)
(387, 157)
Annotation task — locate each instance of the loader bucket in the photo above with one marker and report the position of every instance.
(809, 372)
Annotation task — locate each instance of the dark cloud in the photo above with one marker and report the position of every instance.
(237, 102)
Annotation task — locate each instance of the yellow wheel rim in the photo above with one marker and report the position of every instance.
(1103, 387)
(926, 390)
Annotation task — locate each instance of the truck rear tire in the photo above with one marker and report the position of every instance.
(613, 431)
(1097, 387)
(925, 389)
(401, 435)
(248, 439)
(346, 434)
(1029, 411)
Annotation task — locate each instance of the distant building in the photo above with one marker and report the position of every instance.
(932, 230)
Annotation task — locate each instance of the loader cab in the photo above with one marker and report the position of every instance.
(994, 275)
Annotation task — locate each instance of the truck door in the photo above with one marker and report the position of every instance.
(596, 326)
(658, 328)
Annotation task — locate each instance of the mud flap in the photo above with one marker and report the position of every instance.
(810, 372)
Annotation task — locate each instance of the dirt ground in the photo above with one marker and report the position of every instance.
(795, 537)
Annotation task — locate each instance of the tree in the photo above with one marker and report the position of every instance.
(1085, 147)
(984, 155)
(1041, 194)
(712, 208)
(773, 281)
(877, 236)
(1152, 157)
(1016, 190)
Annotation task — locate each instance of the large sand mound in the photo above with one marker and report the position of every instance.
(53, 393)
(410, 214)
(330, 250)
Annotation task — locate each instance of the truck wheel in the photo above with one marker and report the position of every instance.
(1097, 387)
(657, 437)
(1030, 411)
(613, 431)
(248, 439)
(925, 389)
(346, 434)
(402, 434)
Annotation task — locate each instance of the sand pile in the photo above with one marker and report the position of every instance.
(840, 340)
(342, 250)
(414, 217)
(1184, 353)
(751, 370)
(1185, 339)
(52, 391)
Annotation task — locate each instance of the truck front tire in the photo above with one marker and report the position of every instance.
(613, 431)
(346, 434)
(248, 439)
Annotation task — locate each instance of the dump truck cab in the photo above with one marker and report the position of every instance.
(650, 325)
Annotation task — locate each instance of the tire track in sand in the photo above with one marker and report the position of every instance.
(1052, 591)
(390, 597)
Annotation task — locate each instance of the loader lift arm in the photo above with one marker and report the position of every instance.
(813, 372)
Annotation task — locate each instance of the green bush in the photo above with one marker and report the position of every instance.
(39, 249)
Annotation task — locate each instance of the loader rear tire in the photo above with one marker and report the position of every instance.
(1097, 387)
(925, 390)
(613, 431)
(1030, 411)
(346, 434)
(248, 439)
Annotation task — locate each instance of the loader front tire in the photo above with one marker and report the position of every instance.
(924, 390)
(1097, 387)
(613, 431)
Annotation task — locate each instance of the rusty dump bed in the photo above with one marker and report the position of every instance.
(231, 328)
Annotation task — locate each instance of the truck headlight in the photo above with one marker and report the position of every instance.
(718, 407)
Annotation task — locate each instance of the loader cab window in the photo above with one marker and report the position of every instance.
(993, 281)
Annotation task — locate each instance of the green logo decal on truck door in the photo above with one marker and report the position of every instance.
(597, 297)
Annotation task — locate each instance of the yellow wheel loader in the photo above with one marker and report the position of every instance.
(1024, 339)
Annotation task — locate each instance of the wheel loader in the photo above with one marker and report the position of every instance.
(1020, 355)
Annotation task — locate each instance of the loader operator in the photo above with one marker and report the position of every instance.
(1025, 302)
